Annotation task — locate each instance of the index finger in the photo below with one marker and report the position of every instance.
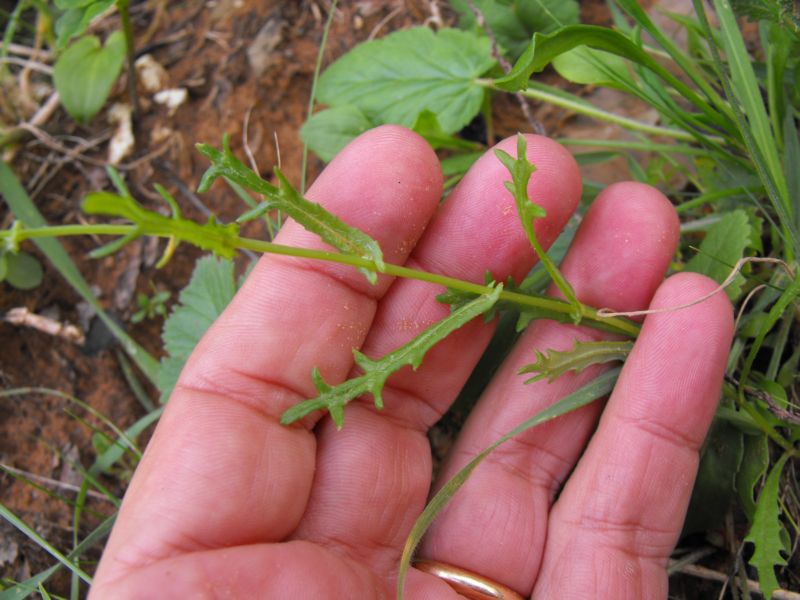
(221, 470)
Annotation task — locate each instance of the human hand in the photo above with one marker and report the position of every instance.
(229, 503)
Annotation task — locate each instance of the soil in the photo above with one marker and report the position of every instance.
(247, 67)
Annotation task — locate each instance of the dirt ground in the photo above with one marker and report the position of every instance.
(248, 69)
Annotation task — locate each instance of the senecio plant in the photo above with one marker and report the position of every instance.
(729, 127)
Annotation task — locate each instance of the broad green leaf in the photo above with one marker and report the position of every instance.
(715, 483)
(330, 130)
(755, 463)
(23, 271)
(205, 297)
(376, 372)
(546, 47)
(591, 67)
(552, 364)
(427, 125)
(24, 209)
(723, 245)
(77, 17)
(459, 164)
(395, 78)
(514, 22)
(521, 170)
(765, 533)
(287, 199)
(3, 265)
(85, 73)
(595, 389)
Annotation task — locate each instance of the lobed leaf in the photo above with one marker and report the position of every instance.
(755, 463)
(552, 364)
(765, 533)
(376, 372)
(209, 291)
(521, 170)
(287, 199)
(393, 79)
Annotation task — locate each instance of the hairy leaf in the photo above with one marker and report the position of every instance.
(205, 297)
(723, 245)
(765, 533)
(330, 130)
(552, 364)
(393, 79)
(376, 372)
(287, 199)
(85, 73)
(597, 388)
(514, 22)
(521, 170)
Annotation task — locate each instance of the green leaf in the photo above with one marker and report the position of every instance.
(723, 245)
(521, 170)
(552, 364)
(427, 125)
(765, 533)
(591, 67)
(545, 48)
(755, 462)
(376, 372)
(595, 389)
(85, 73)
(77, 17)
(785, 13)
(514, 22)
(205, 297)
(715, 483)
(23, 271)
(328, 131)
(393, 79)
(287, 199)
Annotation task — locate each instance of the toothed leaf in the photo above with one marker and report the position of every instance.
(552, 364)
(521, 170)
(376, 372)
(287, 199)
(765, 533)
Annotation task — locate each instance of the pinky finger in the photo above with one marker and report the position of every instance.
(619, 516)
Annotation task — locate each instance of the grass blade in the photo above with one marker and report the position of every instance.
(597, 388)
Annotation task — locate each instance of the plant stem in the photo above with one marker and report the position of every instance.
(127, 29)
(596, 113)
(542, 303)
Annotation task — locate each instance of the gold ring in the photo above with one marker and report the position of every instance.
(468, 584)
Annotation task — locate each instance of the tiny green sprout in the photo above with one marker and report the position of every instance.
(151, 307)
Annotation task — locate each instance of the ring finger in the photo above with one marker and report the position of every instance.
(497, 522)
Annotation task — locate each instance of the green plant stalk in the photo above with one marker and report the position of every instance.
(615, 324)
(11, 27)
(595, 113)
(636, 146)
(123, 6)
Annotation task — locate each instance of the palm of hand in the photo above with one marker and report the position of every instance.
(229, 503)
